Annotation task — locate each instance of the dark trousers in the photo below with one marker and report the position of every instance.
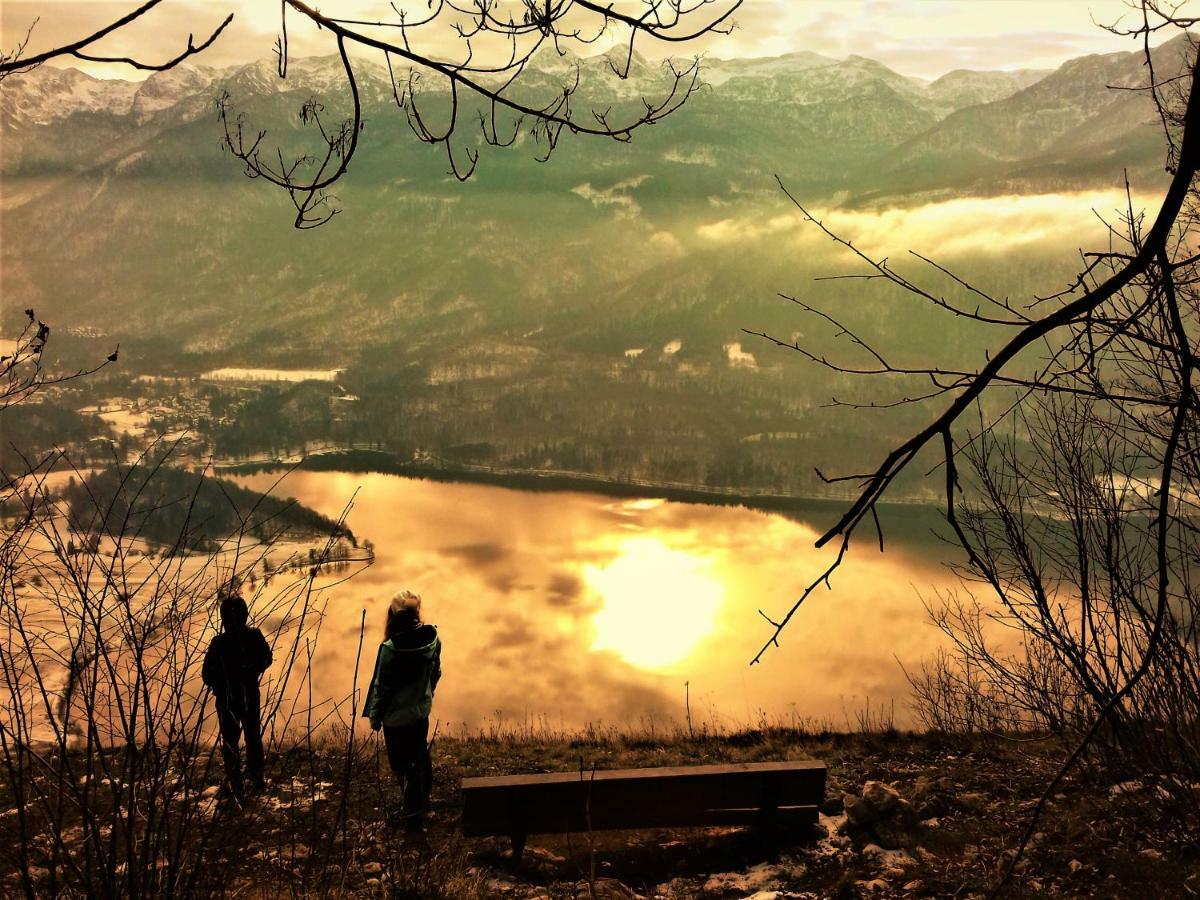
(239, 717)
(408, 755)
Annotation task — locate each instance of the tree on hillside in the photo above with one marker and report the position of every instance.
(1071, 482)
(493, 45)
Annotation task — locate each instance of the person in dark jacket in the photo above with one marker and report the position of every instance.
(407, 670)
(233, 665)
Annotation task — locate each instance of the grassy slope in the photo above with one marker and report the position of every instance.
(973, 795)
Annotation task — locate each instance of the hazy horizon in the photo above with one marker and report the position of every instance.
(918, 38)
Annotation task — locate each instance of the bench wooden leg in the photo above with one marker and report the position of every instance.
(769, 826)
(518, 848)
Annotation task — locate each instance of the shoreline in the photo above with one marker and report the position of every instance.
(384, 462)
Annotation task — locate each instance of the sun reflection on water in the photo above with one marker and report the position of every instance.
(658, 603)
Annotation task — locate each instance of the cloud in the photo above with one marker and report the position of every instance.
(484, 554)
(747, 228)
(666, 241)
(617, 195)
(929, 38)
(564, 589)
(951, 228)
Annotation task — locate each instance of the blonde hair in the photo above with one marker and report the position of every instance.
(404, 612)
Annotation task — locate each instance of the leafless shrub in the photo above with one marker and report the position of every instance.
(107, 748)
(1070, 480)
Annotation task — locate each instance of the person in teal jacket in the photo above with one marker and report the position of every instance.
(399, 700)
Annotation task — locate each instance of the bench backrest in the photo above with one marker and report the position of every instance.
(637, 798)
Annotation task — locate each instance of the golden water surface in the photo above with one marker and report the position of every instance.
(562, 609)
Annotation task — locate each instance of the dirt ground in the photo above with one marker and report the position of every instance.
(970, 801)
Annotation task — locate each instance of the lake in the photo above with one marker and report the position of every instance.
(563, 609)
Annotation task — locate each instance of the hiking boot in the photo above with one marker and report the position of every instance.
(230, 803)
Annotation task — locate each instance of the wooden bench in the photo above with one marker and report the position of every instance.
(768, 794)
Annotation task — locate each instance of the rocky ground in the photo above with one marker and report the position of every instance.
(905, 816)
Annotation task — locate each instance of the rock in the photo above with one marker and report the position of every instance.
(883, 797)
(542, 855)
(832, 806)
(676, 887)
(1125, 788)
(881, 815)
(973, 801)
(857, 812)
(373, 868)
(758, 878)
(1074, 865)
(912, 886)
(874, 886)
(926, 787)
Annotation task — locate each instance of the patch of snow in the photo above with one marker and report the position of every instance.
(738, 358)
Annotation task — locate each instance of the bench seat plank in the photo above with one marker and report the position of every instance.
(733, 794)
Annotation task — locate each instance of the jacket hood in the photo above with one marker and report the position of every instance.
(422, 640)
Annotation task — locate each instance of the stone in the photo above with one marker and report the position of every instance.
(373, 868)
(676, 887)
(1125, 788)
(762, 877)
(881, 815)
(858, 811)
(874, 886)
(973, 800)
(542, 855)
(832, 806)
(883, 797)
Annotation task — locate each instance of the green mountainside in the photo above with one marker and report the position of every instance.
(585, 312)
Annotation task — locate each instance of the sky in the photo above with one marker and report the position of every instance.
(925, 38)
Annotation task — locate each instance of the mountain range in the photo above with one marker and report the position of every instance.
(892, 125)
(537, 283)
